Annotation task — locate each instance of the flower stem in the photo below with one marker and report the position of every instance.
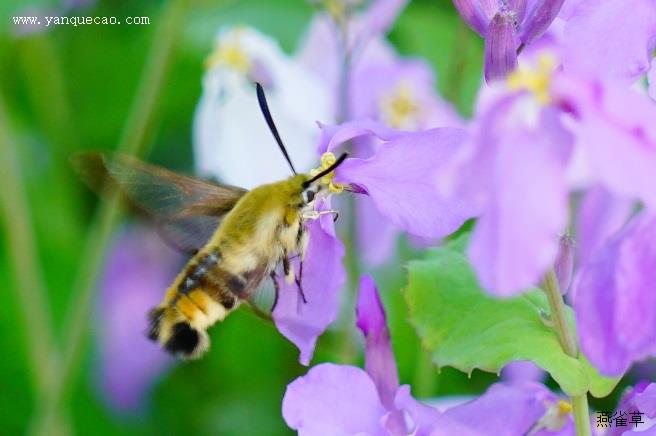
(426, 375)
(347, 350)
(134, 140)
(29, 281)
(569, 345)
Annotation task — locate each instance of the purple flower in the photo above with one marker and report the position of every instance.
(516, 174)
(401, 94)
(610, 38)
(640, 399)
(399, 180)
(549, 134)
(615, 300)
(399, 177)
(507, 26)
(600, 215)
(323, 277)
(228, 126)
(323, 49)
(341, 399)
(138, 268)
(522, 370)
(345, 400)
(381, 86)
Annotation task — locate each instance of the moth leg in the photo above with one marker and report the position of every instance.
(276, 287)
(298, 281)
(313, 214)
(287, 269)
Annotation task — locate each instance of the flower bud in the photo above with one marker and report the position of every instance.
(539, 19)
(500, 45)
(565, 263)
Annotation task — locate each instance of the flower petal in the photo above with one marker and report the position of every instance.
(646, 400)
(651, 78)
(538, 19)
(400, 178)
(376, 236)
(505, 408)
(401, 93)
(600, 215)
(427, 420)
(379, 358)
(381, 15)
(323, 277)
(500, 46)
(640, 398)
(522, 370)
(477, 13)
(334, 136)
(516, 239)
(615, 133)
(564, 265)
(615, 300)
(228, 125)
(333, 400)
(610, 38)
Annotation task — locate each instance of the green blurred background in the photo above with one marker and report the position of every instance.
(68, 88)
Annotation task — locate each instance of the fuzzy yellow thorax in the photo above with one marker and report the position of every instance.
(230, 53)
(536, 80)
(327, 159)
(399, 108)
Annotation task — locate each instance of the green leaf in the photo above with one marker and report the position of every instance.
(465, 328)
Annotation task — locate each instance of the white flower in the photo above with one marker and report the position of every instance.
(231, 139)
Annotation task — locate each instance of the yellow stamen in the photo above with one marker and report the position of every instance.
(399, 108)
(536, 80)
(564, 407)
(336, 9)
(327, 159)
(229, 52)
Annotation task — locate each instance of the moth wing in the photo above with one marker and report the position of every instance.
(186, 210)
(264, 297)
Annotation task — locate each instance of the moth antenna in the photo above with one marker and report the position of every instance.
(328, 170)
(264, 107)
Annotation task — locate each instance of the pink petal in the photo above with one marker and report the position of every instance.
(379, 357)
(323, 277)
(500, 46)
(376, 236)
(505, 408)
(610, 38)
(400, 177)
(600, 215)
(333, 400)
(428, 421)
(615, 133)
(651, 78)
(516, 239)
(615, 300)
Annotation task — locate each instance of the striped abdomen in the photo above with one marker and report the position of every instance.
(202, 294)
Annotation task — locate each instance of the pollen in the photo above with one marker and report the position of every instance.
(230, 53)
(399, 108)
(536, 80)
(564, 407)
(336, 9)
(327, 159)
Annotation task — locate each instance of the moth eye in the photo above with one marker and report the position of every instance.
(308, 196)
